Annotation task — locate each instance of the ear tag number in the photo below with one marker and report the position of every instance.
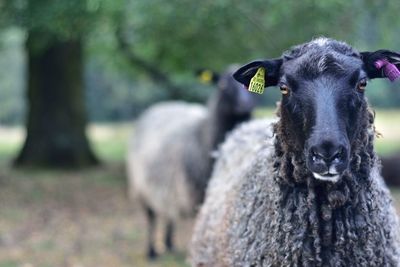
(257, 83)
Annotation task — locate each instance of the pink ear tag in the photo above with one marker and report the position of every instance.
(390, 70)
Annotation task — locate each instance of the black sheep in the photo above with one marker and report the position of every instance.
(305, 191)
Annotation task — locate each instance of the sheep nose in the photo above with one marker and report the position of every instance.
(328, 153)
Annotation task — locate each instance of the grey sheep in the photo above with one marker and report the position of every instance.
(169, 160)
(306, 190)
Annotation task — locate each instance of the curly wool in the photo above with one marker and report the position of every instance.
(274, 213)
(209, 241)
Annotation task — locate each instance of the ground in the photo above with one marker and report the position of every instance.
(74, 218)
(83, 218)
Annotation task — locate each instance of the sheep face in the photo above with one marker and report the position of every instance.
(323, 103)
(322, 100)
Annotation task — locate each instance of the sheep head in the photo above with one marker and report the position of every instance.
(232, 98)
(323, 108)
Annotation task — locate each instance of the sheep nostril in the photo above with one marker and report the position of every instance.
(339, 155)
(314, 156)
(317, 159)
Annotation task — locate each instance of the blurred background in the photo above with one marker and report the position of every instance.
(76, 73)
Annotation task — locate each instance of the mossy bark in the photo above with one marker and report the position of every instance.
(56, 117)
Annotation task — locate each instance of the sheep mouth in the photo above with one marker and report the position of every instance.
(327, 177)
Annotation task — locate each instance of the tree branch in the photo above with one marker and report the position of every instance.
(155, 73)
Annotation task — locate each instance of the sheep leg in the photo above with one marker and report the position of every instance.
(169, 234)
(151, 220)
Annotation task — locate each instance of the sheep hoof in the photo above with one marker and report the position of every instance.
(169, 246)
(152, 254)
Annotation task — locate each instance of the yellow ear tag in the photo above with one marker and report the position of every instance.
(206, 76)
(257, 83)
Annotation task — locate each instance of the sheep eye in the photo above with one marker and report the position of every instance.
(362, 84)
(284, 89)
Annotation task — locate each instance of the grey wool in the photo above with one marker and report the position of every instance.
(242, 223)
(166, 138)
(170, 155)
(268, 205)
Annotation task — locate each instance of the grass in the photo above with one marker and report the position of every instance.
(83, 218)
(110, 141)
(388, 124)
(75, 218)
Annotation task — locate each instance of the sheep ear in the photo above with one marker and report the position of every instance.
(382, 64)
(271, 66)
(207, 76)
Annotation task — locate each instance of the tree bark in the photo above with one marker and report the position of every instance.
(56, 117)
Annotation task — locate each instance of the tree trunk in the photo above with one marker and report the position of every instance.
(57, 116)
